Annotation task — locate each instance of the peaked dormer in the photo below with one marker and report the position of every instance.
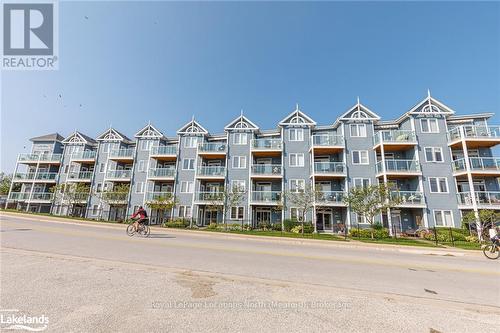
(241, 123)
(359, 112)
(297, 118)
(78, 138)
(112, 135)
(192, 128)
(431, 106)
(149, 132)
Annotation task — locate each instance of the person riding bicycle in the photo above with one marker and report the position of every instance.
(495, 233)
(140, 216)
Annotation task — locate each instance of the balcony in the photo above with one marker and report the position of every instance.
(156, 196)
(399, 168)
(215, 198)
(266, 197)
(266, 147)
(394, 140)
(479, 166)
(166, 153)
(327, 143)
(119, 175)
(115, 197)
(329, 169)
(161, 173)
(123, 155)
(23, 177)
(484, 200)
(81, 197)
(42, 196)
(211, 172)
(330, 198)
(474, 136)
(409, 198)
(266, 171)
(39, 158)
(81, 176)
(84, 156)
(41, 177)
(214, 150)
(19, 196)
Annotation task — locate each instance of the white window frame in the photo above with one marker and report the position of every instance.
(146, 144)
(360, 154)
(298, 213)
(191, 141)
(297, 159)
(297, 136)
(438, 183)
(362, 181)
(139, 187)
(428, 121)
(358, 217)
(240, 138)
(359, 132)
(189, 164)
(433, 152)
(141, 166)
(235, 213)
(184, 211)
(241, 164)
(187, 187)
(102, 167)
(442, 211)
(240, 184)
(299, 186)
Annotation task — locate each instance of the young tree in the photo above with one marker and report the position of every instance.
(303, 200)
(115, 195)
(486, 218)
(163, 204)
(232, 198)
(70, 194)
(5, 181)
(371, 201)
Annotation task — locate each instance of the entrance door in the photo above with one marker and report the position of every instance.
(396, 222)
(210, 216)
(262, 215)
(324, 220)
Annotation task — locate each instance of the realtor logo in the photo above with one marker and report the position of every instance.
(29, 35)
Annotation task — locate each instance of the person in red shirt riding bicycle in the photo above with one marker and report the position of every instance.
(140, 216)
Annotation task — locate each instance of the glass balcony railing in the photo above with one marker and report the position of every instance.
(408, 197)
(24, 176)
(212, 171)
(122, 153)
(42, 196)
(19, 195)
(482, 198)
(396, 136)
(164, 150)
(399, 166)
(267, 144)
(327, 140)
(266, 196)
(155, 196)
(478, 164)
(84, 155)
(474, 132)
(212, 147)
(82, 175)
(119, 174)
(114, 196)
(46, 176)
(161, 173)
(266, 169)
(210, 196)
(43, 158)
(329, 167)
(329, 196)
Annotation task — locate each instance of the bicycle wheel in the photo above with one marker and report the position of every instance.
(145, 231)
(491, 251)
(130, 230)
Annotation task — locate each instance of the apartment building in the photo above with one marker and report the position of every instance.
(440, 164)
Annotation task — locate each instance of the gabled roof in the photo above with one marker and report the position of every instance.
(430, 105)
(297, 118)
(192, 127)
(48, 137)
(241, 123)
(359, 112)
(79, 138)
(149, 132)
(112, 135)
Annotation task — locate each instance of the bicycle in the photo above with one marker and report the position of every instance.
(492, 251)
(143, 228)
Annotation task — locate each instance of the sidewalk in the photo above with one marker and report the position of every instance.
(298, 241)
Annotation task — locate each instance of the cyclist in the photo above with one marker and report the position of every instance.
(495, 233)
(140, 216)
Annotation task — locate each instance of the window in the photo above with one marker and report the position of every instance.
(184, 211)
(140, 167)
(188, 164)
(296, 213)
(139, 187)
(66, 169)
(240, 139)
(191, 142)
(146, 144)
(98, 187)
(358, 130)
(296, 160)
(433, 154)
(297, 185)
(360, 157)
(296, 134)
(360, 219)
(443, 218)
(429, 125)
(361, 182)
(438, 184)
(237, 213)
(238, 185)
(187, 187)
(95, 209)
(102, 167)
(239, 162)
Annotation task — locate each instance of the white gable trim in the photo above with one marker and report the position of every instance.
(431, 101)
(358, 107)
(110, 135)
(233, 125)
(75, 138)
(192, 127)
(296, 114)
(149, 131)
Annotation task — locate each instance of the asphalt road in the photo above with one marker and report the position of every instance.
(94, 278)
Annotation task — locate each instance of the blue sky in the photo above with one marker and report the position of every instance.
(129, 63)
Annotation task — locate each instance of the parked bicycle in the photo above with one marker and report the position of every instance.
(142, 228)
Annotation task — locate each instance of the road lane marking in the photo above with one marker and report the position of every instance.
(360, 261)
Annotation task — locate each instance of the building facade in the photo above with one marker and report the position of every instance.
(440, 164)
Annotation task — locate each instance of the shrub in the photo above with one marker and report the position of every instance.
(471, 239)
(177, 223)
(276, 226)
(308, 228)
(297, 229)
(366, 233)
(443, 234)
(213, 226)
(234, 227)
(289, 224)
(264, 226)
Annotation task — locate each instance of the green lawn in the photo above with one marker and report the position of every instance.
(398, 241)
